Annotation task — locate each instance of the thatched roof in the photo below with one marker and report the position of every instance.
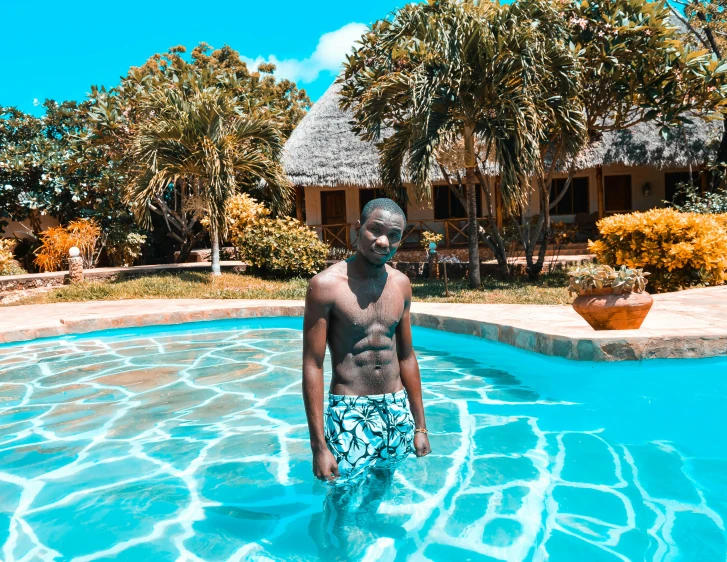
(323, 151)
(642, 145)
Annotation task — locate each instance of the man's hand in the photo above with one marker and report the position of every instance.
(325, 466)
(421, 444)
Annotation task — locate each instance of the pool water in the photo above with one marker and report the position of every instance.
(190, 443)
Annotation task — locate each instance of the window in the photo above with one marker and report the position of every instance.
(672, 181)
(448, 206)
(575, 199)
(617, 193)
(366, 195)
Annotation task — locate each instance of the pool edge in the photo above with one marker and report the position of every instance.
(43, 321)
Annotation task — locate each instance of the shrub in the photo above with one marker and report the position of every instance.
(123, 248)
(679, 249)
(241, 210)
(56, 241)
(281, 246)
(8, 265)
(711, 202)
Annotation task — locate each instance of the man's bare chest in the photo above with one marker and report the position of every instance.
(369, 306)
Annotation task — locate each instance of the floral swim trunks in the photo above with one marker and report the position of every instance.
(365, 432)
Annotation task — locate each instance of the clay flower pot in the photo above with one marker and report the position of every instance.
(604, 310)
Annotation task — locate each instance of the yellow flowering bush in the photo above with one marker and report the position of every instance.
(8, 265)
(281, 246)
(679, 249)
(241, 210)
(56, 241)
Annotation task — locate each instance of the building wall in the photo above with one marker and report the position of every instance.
(20, 229)
(640, 175)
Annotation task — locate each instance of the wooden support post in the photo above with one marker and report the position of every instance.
(498, 203)
(299, 203)
(446, 234)
(446, 282)
(600, 196)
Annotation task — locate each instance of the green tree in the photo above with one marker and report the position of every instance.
(119, 113)
(633, 68)
(470, 84)
(636, 68)
(442, 75)
(199, 137)
(47, 169)
(706, 24)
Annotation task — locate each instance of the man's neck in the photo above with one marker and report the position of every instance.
(361, 267)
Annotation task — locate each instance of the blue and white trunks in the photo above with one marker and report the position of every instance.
(366, 432)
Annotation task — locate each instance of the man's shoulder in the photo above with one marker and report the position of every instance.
(398, 277)
(326, 279)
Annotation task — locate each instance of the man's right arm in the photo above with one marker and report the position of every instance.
(315, 330)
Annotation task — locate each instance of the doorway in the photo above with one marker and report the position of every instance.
(333, 212)
(333, 207)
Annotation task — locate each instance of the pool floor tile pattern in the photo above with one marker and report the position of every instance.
(194, 446)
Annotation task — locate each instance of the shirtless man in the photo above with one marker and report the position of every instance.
(360, 308)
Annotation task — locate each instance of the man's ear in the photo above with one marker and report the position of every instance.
(357, 226)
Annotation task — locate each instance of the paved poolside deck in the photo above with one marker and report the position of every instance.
(686, 324)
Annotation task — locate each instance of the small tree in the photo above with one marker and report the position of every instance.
(119, 113)
(200, 137)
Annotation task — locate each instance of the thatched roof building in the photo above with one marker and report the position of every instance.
(336, 173)
(323, 151)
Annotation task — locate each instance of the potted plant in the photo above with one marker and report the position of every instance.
(610, 299)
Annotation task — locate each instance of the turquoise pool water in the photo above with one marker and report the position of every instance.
(190, 443)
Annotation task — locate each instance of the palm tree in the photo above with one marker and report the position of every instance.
(200, 138)
(497, 83)
(444, 74)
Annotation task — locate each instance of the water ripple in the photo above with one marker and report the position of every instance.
(192, 445)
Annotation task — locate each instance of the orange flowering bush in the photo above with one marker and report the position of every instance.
(679, 249)
(56, 241)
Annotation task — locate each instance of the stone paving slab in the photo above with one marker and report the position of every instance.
(686, 324)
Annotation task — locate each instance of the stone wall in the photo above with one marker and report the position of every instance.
(35, 280)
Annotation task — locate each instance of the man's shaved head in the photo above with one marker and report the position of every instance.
(383, 204)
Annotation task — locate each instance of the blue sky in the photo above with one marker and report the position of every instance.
(59, 49)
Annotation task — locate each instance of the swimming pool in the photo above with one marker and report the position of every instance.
(190, 441)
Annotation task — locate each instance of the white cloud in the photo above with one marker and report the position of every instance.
(330, 53)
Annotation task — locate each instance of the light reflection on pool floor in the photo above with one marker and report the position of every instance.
(190, 443)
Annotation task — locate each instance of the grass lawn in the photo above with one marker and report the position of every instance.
(550, 289)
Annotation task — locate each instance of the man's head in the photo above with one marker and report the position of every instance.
(380, 230)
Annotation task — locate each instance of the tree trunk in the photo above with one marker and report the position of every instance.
(530, 234)
(534, 269)
(722, 157)
(215, 239)
(472, 226)
(493, 238)
(186, 248)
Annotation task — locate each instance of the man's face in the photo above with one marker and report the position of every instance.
(379, 237)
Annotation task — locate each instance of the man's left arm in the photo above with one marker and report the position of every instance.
(410, 377)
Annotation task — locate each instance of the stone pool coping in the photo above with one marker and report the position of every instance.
(687, 324)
